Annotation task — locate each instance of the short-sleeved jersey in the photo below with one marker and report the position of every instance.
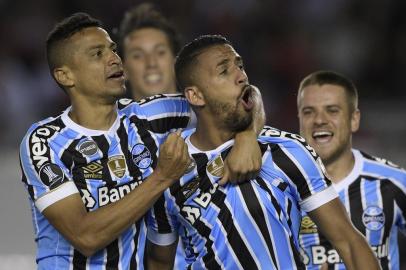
(59, 158)
(254, 225)
(374, 195)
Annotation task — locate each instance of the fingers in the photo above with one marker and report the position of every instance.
(224, 180)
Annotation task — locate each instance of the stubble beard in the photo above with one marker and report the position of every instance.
(230, 116)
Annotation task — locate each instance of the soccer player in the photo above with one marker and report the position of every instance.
(148, 43)
(89, 171)
(373, 190)
(254, 225)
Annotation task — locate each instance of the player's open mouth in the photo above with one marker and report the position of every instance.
(247, 98)
(322, 136)
(117, 75)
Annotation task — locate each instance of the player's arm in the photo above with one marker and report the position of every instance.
(334, 223)
(245, 159)
(90, 231)
(160, 113)
(160, 257)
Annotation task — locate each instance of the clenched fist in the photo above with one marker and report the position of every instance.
(173, 159)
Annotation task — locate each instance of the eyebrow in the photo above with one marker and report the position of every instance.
(223, 62)
(101, 46)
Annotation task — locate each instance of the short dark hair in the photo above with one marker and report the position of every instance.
(145, 16)
(187, 56)
(323, 77)
(61, 32)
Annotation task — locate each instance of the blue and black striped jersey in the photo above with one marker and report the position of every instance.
(59, 158)
(254, 225)
(374, 195)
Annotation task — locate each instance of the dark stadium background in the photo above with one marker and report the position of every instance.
(280, 41)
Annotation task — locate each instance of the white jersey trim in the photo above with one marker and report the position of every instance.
(58, 194)
(161, 239)
(193, 149)
(353, 175)
(318, 199)
(86, 131)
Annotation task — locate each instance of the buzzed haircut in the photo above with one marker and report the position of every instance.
(323, 77)
(147, 16)
(61, 32)
(187, 56)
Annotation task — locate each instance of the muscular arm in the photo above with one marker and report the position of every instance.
(245, 159)
(160, 257)
(333, 222)
(90, 231)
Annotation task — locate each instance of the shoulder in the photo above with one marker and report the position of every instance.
(382, 168)
(40, 131)
(126, 102)
(286, 140)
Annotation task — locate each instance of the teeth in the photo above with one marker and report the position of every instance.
(322, 133)
(153, 78)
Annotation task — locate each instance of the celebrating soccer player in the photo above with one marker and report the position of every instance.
(373, 190)
(253, 225)
(93, 171)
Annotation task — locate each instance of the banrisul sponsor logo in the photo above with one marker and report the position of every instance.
(87, 147)
(141, 156)
(39, 144)
(373, 218)
(108, 194)
(51, 175)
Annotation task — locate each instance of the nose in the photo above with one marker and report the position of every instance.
(114, 59)
(242, 77)
(150, 60)
(320, 118)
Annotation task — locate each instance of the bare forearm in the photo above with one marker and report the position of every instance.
(357, 254)
(99, 228)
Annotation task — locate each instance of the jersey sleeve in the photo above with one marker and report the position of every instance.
(160, 113)
(162, 225)
(45, 176)
(298, 165)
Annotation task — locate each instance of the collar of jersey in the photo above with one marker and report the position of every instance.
(353, 175)
(193, 149)
(86, 131)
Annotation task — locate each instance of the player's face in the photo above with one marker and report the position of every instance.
(326, 121)
(149, 62)
(224, 85)
(96, 67)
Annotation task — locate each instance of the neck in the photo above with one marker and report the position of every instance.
(93, 114)
(209, 136)
(341, 167)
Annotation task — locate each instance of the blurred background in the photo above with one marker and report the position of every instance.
(280, 41)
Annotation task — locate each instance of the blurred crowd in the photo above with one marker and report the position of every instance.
(280, 41)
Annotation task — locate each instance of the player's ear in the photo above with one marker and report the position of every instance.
(194, 96)
(64, 76)
(355, 120)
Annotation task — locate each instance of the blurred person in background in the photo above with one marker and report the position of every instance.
(148, 44)
(372, 189)
(253, 225)
(93, 171)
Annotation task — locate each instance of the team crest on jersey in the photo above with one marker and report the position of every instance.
(307, 225)
(117, 165)
(93, 170)
(373, 218)
(216, 166)
(87, 148)
(52, 175)
(141, 156)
